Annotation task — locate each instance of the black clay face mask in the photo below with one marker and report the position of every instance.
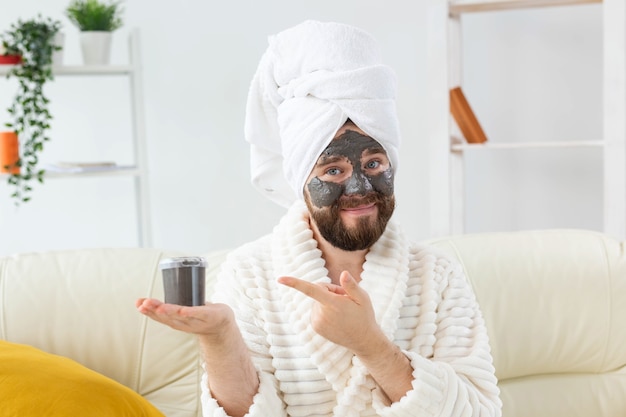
(351, 146)
(326, 199)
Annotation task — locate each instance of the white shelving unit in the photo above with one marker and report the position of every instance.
(447, 151)
(138, 170)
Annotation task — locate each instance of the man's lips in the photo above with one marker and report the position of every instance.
(359, 209)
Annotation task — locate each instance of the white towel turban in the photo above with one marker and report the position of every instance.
(311, 79)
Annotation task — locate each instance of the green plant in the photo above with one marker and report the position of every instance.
(9, 49)
(92, 15)
(34, 41)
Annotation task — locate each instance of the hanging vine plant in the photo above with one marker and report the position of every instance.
(33, 40)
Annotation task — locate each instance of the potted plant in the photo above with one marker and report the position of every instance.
(34, 41)
(96, 21)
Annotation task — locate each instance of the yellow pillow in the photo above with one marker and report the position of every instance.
(36, 383)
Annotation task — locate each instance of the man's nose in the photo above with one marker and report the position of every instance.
(358, 184)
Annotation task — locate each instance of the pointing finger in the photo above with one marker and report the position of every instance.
(314, 291)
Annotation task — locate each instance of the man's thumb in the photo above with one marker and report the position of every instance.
(348, 283)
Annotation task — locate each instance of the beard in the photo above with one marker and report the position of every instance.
(360, 236)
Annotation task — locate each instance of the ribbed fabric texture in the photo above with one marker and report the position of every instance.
(421, 300)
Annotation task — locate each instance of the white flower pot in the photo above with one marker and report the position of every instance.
(96, 47)
(57, 56)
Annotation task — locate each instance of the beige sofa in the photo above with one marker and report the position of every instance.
(554, 303)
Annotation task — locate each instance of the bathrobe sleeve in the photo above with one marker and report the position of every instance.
(453, 374)
(265, 403)
(235, 282)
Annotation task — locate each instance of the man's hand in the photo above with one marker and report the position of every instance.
(207, 320)
(345, 316)
(342, 314)
(233, 380)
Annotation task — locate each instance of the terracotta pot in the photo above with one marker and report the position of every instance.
(9, 153)
(10, 59)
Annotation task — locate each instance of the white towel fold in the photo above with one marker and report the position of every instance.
(310, 80)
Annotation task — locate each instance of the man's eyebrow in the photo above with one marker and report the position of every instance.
(374, 150)
(328, 159)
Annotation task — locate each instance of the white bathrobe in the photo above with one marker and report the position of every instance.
(422, 302)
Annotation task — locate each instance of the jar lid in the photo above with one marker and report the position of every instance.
(183, 261)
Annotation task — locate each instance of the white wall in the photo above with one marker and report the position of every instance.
(198, 60)
(535, 75)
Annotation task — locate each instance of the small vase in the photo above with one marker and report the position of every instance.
(96, 47)
(9, 153)
(57, 56)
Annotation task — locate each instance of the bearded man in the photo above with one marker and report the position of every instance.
(334, 313)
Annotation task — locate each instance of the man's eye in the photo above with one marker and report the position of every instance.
(372, 164)
(333, 171)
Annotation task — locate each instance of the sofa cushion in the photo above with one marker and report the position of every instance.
(554, 303)
(36, 383)
(80, 304)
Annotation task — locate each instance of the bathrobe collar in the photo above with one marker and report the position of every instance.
(385, 275)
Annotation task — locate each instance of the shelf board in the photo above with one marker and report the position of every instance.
(92, 172)
(461, 147)
(81, 69)
(470, 6)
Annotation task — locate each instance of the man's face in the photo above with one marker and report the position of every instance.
(349, 192)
